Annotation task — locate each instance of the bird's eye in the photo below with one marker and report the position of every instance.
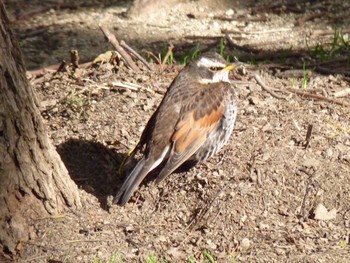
(214, 68)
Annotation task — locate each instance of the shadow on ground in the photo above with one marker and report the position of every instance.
(93, 167)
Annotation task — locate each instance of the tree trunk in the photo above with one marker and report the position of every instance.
(33, 180)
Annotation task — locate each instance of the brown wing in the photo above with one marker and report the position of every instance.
(193, 128)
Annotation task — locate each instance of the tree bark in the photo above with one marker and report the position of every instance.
(33, 179)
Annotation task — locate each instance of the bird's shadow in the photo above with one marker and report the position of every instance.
(93, 167)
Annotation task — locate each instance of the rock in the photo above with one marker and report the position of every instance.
(211, 244)
(321, 213)
(311, 162)
(175, 253)
(263, 226)
(229, 12)
(245, 243)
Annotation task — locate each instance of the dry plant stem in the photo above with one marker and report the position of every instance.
(130, 86)
(308, 136)
(298, 92)
(314, 96)
(204, 211)
(92, 240)
(170, 49)
(154, 56)
(312, 185)
(268, 90)
(113, 40)
(132, 51)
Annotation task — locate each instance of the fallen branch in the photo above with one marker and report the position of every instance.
(113, 40)
(132, 51)
(268, 90)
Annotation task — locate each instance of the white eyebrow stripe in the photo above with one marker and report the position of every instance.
(209, 63)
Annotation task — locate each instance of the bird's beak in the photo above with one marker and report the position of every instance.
(230, 67)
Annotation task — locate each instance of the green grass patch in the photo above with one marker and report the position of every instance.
(340, 45)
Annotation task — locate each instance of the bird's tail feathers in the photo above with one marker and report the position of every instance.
(142, 168)
(132, 182)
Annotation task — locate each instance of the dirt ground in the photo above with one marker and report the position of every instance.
(253, 202)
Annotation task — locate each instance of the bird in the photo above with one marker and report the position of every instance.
(193, 121)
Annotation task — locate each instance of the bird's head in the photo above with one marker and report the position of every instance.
(211, 68)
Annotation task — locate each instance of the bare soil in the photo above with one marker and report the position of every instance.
(253, 202)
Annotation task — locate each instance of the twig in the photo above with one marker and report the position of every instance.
(308, 136)
(132, 51)
(130, 86)
(113, 40)
(204, 211)
(51, 217)
(264, 87)
(311, 185)
(314, 96)
(298, 92)
(149, 53)
(91, 240)
(170, 49)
